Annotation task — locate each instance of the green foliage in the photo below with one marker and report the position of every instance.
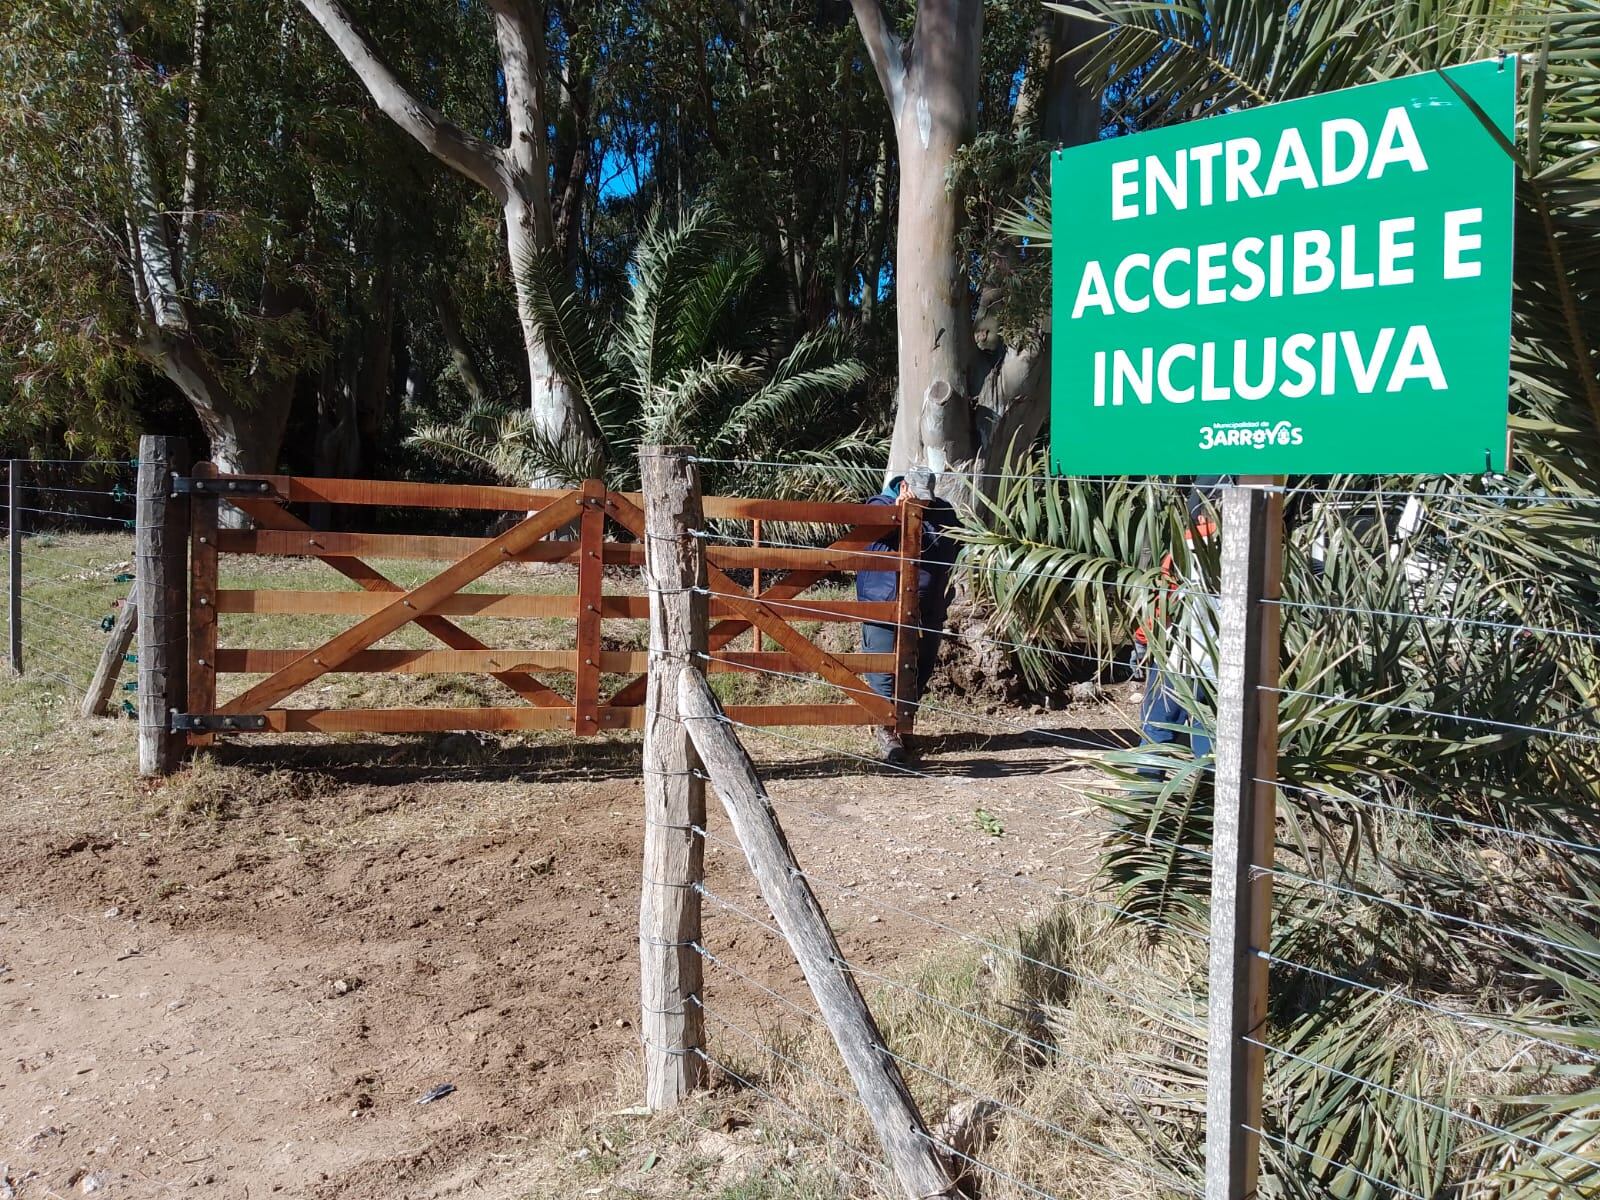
(689, 361)
(1068, 563)
(1393, 876)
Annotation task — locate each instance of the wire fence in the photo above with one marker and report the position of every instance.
(1433, 1027)
(1433, 1021)
(69, 537)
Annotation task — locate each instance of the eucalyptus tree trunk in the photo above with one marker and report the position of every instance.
(244, 425)
(965, 409)
(932, 90)
(516, 175)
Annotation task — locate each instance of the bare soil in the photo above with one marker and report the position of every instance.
(240, 984)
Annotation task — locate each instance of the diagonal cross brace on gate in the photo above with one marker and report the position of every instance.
(407, 607)
(788, 588)
(268, 515)
(754, 611)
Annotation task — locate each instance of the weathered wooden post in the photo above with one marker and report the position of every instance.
(161, 575)
(890, 1107)
(14, 554)
(111, 657)
(1242, 840)
(671, 1024)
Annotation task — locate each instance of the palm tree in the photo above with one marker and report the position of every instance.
(1386, 798)
(692, 359)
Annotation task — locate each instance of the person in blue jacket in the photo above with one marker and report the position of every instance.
(933, 594)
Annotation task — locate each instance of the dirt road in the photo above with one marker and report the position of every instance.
(242, 986)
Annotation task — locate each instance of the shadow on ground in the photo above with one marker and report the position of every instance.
(464, 758)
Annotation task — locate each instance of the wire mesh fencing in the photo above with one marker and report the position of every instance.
(69, 539)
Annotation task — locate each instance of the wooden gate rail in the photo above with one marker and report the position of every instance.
(772, 605)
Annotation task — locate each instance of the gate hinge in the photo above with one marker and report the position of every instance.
(215, 723)
(189, 485)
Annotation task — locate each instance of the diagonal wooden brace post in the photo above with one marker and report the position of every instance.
(912, 1151)
(405, 609)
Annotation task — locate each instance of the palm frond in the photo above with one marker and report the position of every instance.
(675, 409)
(506, 443)
(667, 253)
(783, 412)
(570, 337)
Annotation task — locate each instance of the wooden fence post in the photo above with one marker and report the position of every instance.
(755, 582)
(894, 1115)
(671, 1024)
(111, 658)
(14, 554)
(161, 574)
(1242, 840)
(591, 585)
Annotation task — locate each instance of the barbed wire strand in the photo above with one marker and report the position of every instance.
(1295, 1147)
(1340, 797)
(945, 1080)
(1055, 893)
(1447, 618)
(1412, 710)
(125, 522)
(815, 608)
(1432, 914)
(817, 1126)
(769, 732)
(1153, 481)
(894, 557)
(125, 463)
(1076, 743)
(1135, 1002)
(1432, 1106)
(119, 493)
(1393, 993)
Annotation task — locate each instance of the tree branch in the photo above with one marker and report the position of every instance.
(461, 355)
(157, 280)
(519, 35)
(193, 165)
(459, 150)
(885, 50)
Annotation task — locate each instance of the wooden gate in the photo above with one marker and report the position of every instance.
(575, 527)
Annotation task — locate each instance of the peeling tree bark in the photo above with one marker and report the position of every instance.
(245, 430)
(964, 409)
(517, 176)
(193, 162)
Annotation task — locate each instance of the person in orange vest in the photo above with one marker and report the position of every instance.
(1163, 720)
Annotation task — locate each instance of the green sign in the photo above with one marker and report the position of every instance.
(1312, 287)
